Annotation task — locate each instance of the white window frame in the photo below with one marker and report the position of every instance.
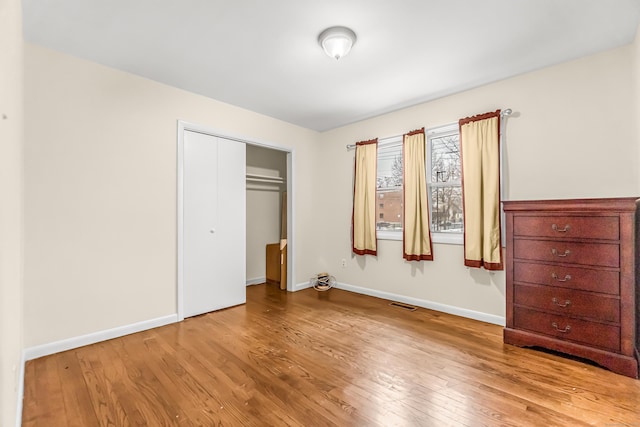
(442, 238)
(438, 132)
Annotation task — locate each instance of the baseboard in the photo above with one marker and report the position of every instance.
(256, 281)
(20, 390)
(35, 352)
(301, 286)
(457, 311)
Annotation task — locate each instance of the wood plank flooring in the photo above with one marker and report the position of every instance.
(322, 359)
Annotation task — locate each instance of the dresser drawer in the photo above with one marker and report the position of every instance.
(569, 302)
(583, 227)
(566, 328)
(605, 281)
(600, 254)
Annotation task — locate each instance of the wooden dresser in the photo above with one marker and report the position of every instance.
(571, 279)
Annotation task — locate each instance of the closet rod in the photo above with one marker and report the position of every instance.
(265, 178)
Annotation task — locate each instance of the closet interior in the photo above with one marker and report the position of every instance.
(266, 235)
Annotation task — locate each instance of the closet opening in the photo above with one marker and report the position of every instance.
(223, 180)
(267, 242)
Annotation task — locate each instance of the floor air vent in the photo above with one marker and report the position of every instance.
(403, 306)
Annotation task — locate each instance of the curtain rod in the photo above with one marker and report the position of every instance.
(504, 113)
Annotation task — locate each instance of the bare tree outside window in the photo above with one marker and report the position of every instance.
(445, 184)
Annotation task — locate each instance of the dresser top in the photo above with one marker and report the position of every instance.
(619, 204)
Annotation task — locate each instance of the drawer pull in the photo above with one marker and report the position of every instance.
(566, 228)
(555, 277)
(566, 303)
(564, 331)
(555, 252)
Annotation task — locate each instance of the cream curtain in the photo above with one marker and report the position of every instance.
(363, 218)
(416, 235)
(480, 151)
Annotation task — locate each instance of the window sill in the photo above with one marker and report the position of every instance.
(389, 235)
(440, 238)
(448, 238)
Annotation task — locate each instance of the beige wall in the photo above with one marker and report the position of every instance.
(572, 136)
(100, 192)
(11, 140)
(263, 206)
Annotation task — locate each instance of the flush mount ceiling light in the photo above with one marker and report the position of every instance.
(337, 41)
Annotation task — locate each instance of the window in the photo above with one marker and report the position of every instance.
(389, 189)
(443, 182)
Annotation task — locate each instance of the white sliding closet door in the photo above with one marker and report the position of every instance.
(214, 216)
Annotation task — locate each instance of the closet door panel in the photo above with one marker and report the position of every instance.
(231, 232)
(213, 223)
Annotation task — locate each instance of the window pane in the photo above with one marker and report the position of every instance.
(390, 213)
(446, 209)
(389, 188)
(445, 158)
(389, 166)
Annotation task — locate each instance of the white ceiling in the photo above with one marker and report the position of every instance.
(263, 55)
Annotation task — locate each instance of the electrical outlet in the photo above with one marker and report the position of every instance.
(344, 263)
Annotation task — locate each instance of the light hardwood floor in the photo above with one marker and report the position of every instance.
(322, 359)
